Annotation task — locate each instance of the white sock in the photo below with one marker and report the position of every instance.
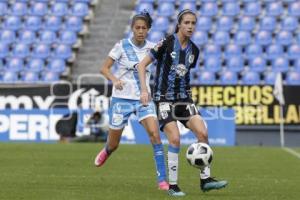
(173, 164)
(205, 173)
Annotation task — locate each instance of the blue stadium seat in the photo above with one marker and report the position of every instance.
(4, 50)
(80, 10)
(67, 37)
(19, 9)
(212, 50)
(252, 8)
(160, 24)
(284, 38)
(246, 23)
(294, 9)
(49, 76)
(26, 37)
(293, 78)
(224, 23)
(204, 24)
(212, 64)
(251, 78)
(200, 38)
(29, 77)
(155, 36)
(56, 65)
(297, 65)
(243, 38)
(73, 23)
(293, 51)
(263, 38)
(62, 51)
(232, 50)
(3, 8)
(209, 9)
(207, 78)
(52, 23)
(269, 77)
(268, 23)
(166, 9)
(60, 9)
(9, 77)
(14, 64)
(12, 23)
(7, 36)
(38, 9)
(235, 64)
(228, 78)
(20, 50)
(40, 51)
(187, 5)
(274, 51)
(146, 1)
(144, 6)
(280, 64)
(257, 64)
(35, 65)
(231, 9)
(33, 23)
(274, 9)
(290, 23)
(47, 37)
(169, 1)
(221, 37)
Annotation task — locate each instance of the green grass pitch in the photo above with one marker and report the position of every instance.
(66, 172)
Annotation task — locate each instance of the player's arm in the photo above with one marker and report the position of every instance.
(142, 76)
(106, 71)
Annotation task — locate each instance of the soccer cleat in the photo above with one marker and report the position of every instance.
(101, 158)
(211, 184)
(174, 190)
(163, 185)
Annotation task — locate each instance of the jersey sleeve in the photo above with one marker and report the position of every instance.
(196, 53)
(116, 52)
(158, 50)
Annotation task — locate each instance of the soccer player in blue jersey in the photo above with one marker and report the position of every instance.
(126, 94)
(175, 56)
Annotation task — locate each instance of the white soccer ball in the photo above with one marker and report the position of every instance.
(199, 155)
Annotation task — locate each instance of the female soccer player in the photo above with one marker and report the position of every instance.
(126, 94)
(175, 56)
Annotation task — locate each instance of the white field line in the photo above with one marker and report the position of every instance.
(291, 151)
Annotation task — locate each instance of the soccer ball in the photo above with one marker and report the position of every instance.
(199, 155)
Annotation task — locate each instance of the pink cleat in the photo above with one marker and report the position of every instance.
(101, 158)
(163, 185)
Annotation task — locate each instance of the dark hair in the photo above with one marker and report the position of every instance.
(144, 15)
(180, 16)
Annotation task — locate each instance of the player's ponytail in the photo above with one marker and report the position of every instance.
(144, 15)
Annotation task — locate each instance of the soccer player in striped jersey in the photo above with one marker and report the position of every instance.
(126, 94)
(175, 56)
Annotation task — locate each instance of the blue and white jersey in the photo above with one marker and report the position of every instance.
(126, 55)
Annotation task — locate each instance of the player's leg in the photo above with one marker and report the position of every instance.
(198, 126)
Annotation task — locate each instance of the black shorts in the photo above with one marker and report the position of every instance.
(168, 111)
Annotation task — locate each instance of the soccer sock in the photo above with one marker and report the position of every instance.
(173, 164)
(205, 173)
(159, 162)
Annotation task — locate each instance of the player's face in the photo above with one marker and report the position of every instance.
(140, 30)
(187, 25)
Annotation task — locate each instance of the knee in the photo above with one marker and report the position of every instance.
(175, 141)
(203, 135)
(154, 136)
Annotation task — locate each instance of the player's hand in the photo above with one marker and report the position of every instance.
(118, 84)
(145, 97)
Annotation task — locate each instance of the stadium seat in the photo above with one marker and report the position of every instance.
(49, 76)
(7, 36)
(155, 36)
(61, 9)
(67, 37)
(12, 23)
(251, 78)
(26, 37)
(3, 8)
(224, 23)
(212, 50)
(274, 9)
(212, 64)
(204, 24)
(52, 23)
(35, 65)
(297, 65)
(231, 9)
(38, 9)
(9, 77)
(187, 5)
(160, 24)
(145, 6)
(294, 9)
(268, 23)
(228, 78)
(209, 9)
(207, 78)
(73, 23)
(243, 38)
(18, 9)
(166, 9)
(33, 23)
(20, 50)
(269, 77)
(274, 51)
(56, 65)
(80, 10)
(40, 51)
(29, 77)
(235, 64)
(232, 50)
(257, 64)
(62, 51)
(200, 38)
(221, 38)
(4, 50)
(47, 37)
(280, 64)
(293, 51)
(253, 50)
(252, 8)
(284, 38)
(246, 23)
(146, 1)
(14, 64)
(293, 78)
(289, 23)
(263, 38)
